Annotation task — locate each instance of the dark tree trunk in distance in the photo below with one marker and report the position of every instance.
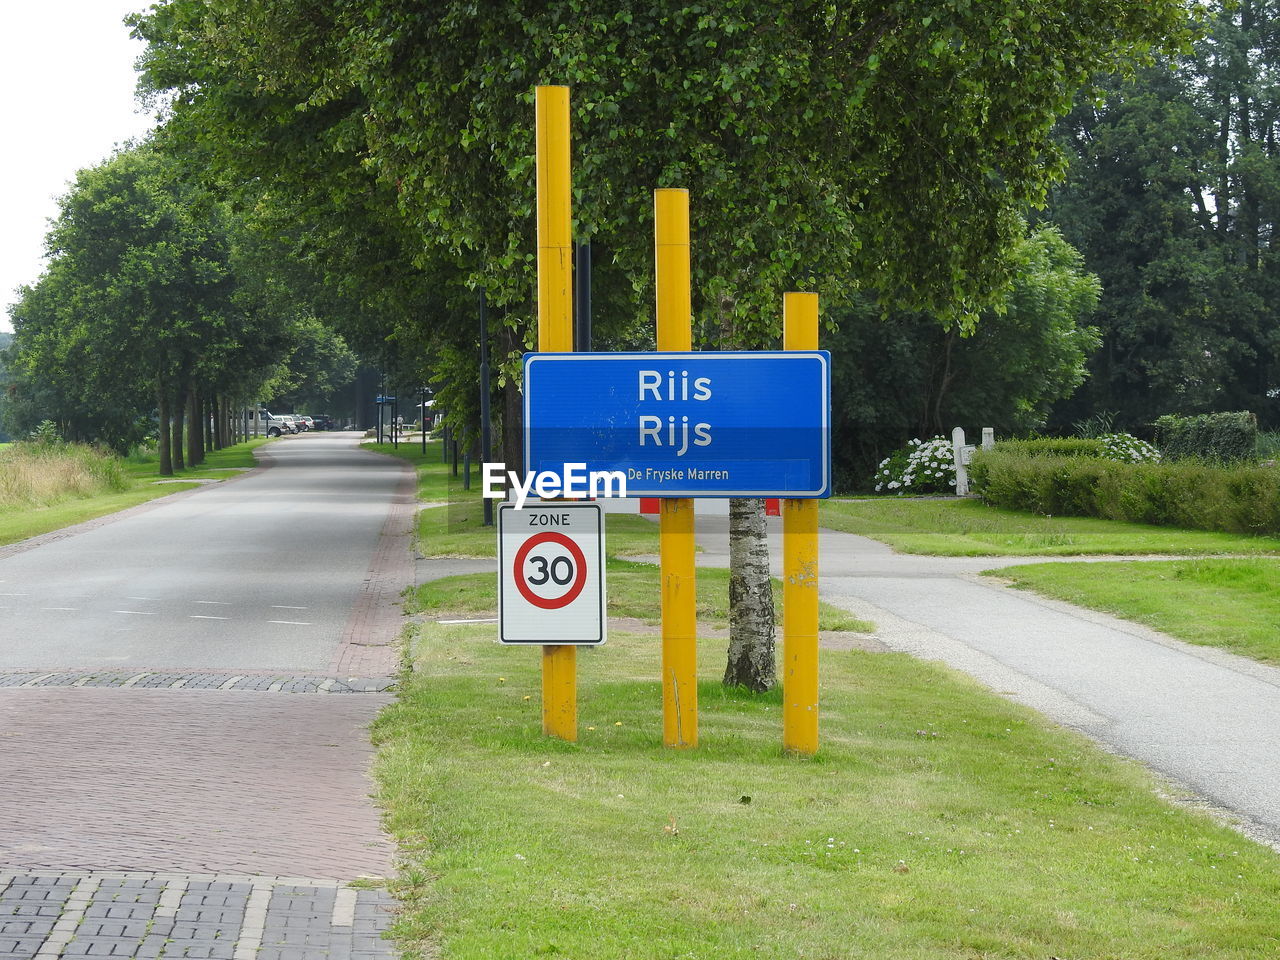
(162, 405)
(195, 451)
(751, 626)
(175, 433)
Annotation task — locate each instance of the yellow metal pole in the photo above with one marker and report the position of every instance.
(800, 570)
(555, 332)
(679, 584)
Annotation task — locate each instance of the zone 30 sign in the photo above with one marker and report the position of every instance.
(551, 573)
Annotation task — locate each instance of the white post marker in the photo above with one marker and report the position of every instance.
(551, 573)
(957, 452)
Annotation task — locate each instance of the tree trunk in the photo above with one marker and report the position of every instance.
(195, 450)
(162, 441)
(751, 627)
(206, 437)
(175, 434)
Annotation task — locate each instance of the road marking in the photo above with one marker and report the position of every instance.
(72, 914)
(255, 923)
(134, 679)
(275, 687)
(295, 623)
(35, 680)
(485, 620)
(229, 683)
(221, 603)
(15, 594)
(344, 908)
(180, 682)
(284, 606)
(60, 608)
(140, 598)
(139, 613)
(200, 616)
(327, 685)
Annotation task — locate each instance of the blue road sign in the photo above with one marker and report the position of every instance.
(382, 399)
(684, 424)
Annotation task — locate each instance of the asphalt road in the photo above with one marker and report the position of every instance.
(259, 574)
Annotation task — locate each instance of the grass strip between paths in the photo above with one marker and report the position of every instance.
(938, 821)
(970, 528)
(1233, 604)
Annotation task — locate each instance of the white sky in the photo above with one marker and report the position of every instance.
(66, 69)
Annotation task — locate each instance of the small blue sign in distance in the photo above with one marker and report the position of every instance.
(748, 424)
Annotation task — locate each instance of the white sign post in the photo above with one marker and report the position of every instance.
(551, 573)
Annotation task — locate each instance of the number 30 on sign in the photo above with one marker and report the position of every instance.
(551, 573)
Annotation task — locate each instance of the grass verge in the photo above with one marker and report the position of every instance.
(938, 821)
(970, 528)
(631, 589)
(23, 522)
(1232, 604)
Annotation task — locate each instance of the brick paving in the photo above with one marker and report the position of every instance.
(210, 916)
(265, 682)
(171, 780)
(368, 642)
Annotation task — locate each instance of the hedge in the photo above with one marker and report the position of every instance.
(1191, 494)
(1053, 447)
(1223, 437)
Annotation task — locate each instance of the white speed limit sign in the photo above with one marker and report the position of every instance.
(551, 573)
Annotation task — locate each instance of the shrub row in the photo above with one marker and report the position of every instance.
(1211, 436)
(1192, 494)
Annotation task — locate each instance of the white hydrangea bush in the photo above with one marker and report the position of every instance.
(1128, 449)
(922, 466)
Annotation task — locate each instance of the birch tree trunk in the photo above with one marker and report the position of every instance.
(751, 626)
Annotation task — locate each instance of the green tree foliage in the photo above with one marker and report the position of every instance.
(887, 147)
(1173, 197)
(138, 310)
(902, 375)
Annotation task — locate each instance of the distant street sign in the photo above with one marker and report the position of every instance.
(685, 424)
(551, 573)
(384, 399)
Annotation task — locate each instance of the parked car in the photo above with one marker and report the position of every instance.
(323, 422)
(273, 425)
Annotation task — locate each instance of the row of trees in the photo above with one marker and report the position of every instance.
(373, 162)
(155, 303)
(882, 153)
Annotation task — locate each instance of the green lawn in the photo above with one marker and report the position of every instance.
(938, 821)
(1232, 604)
(631, 591)
(436, 482)
(970, 528)
(21, 523)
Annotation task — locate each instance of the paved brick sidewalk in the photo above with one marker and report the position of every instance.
(223, 917)
(189, 782)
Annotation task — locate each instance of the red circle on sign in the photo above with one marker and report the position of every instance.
(575, 588)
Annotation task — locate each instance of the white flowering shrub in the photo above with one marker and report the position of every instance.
(919, 467)
(1128, 449)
